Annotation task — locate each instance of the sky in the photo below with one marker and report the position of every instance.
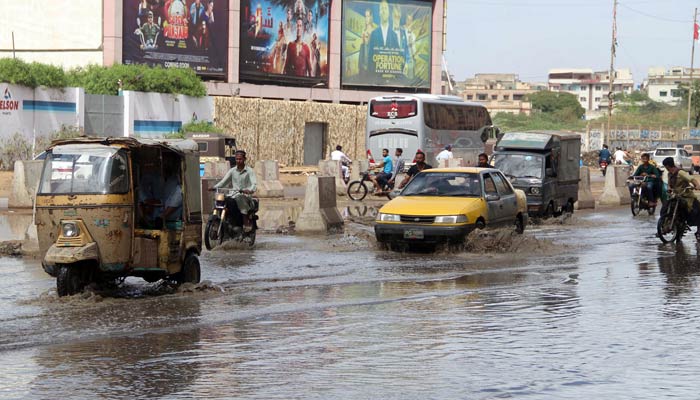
(530, 37)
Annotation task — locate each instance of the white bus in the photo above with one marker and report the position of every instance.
(428, 123)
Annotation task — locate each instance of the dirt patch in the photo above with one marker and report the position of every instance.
(6, 183)
(11, 248)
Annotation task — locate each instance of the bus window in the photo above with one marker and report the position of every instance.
(455, 117)
(391, 109)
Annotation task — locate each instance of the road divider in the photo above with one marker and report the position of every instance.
(24, 183)
(616, 192)
(585, 196)
(332, 168)
(320, 215)
(268, 176)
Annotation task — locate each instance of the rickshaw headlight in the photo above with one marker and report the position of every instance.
(70, 229)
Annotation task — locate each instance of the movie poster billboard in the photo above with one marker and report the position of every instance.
(284, 41)
(387, 43)
(177, 34)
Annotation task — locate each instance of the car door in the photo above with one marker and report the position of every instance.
(509, 202)
(493, 200)
(687, 160)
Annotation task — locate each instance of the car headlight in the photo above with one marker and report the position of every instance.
(388, 217)
(535, 190)
(450, 219)
(70, 229)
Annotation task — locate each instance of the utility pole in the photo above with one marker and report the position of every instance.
(612, 66)
(692, 59)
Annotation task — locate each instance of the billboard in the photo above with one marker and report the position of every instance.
(387, 43)
(177, 34)
(284, 40)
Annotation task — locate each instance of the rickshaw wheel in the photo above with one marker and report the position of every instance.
(190, 271)
(70, 280)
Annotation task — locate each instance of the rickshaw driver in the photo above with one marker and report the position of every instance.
(172, 202)
(242, 178)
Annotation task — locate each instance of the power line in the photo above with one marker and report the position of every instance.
(683, 21)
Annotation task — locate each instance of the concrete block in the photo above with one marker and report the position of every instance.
(24, 183)
(616, 192)
(4, 202)
(216, 169)
(443, 163)
(320, 214)
(455, 163)
(267, 173)
(358, 167)
(585, 197)
(332, 168)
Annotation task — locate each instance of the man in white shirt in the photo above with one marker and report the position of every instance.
(338, 155)
(446, 154)
(620, 156)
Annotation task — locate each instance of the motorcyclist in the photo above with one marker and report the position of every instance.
(604, 155)
(652, 183)
(242, 179)
(678, 181)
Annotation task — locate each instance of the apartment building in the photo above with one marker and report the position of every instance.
(662, 84)
(589, 86)
(500, 93)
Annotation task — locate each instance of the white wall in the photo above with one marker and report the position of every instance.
(654, 90)
(39, 112)
(155, 114)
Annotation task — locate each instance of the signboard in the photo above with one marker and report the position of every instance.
(284, 40)
(177, 34)
(387, 43)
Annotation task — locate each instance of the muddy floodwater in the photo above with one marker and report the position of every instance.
(595, 307)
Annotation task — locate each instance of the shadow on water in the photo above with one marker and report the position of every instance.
(142, 362)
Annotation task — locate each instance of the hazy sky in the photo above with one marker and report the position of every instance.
(529, 37)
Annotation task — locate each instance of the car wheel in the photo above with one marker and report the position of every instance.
(519, 225)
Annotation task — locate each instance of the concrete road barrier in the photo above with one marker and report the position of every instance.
(268, 176)
(585, 196)
(216, 169)
(357, 168)
(616, 192)
(320, 213)
(451, 163)
(332, 168)
(24, 183)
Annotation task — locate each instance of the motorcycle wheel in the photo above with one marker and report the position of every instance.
(634, 205)
(211, 232)
(668, 232)
(651, 210)
(357, 190)
(250, 238)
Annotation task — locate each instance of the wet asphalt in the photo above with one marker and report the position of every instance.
(592, 307)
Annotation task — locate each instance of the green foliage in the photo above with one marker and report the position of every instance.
(559, 120)
(105, 80)
(695, 105)
(17, 72)
(200, 126)
(550, 102)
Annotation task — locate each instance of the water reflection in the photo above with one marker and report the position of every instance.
(681, 269)
(151, 363)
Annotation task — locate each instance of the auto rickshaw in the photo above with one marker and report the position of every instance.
(108, 208)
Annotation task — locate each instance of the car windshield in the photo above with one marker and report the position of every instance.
(84, 169)
(519, 165)
(665, 152)
(444, 184)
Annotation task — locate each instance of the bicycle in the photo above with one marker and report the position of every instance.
(357, 190)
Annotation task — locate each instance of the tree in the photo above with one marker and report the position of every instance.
(695, 106)
(561, 103)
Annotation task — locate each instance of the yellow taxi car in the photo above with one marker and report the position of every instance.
(444, 205)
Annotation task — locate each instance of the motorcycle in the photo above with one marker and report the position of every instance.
(226, 223)
(673, 222)
(603, 166)
(639, 198)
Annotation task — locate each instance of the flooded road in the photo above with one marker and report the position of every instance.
(597, 309)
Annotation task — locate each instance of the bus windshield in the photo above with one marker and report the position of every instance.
(85, 170)
(393, 109)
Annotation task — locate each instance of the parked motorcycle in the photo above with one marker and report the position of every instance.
(226, 223)
(639, 198)
(603, 167)
(673, 222)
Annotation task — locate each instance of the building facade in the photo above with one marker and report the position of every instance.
(662, 84)
(590, 87)
(500, 93)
